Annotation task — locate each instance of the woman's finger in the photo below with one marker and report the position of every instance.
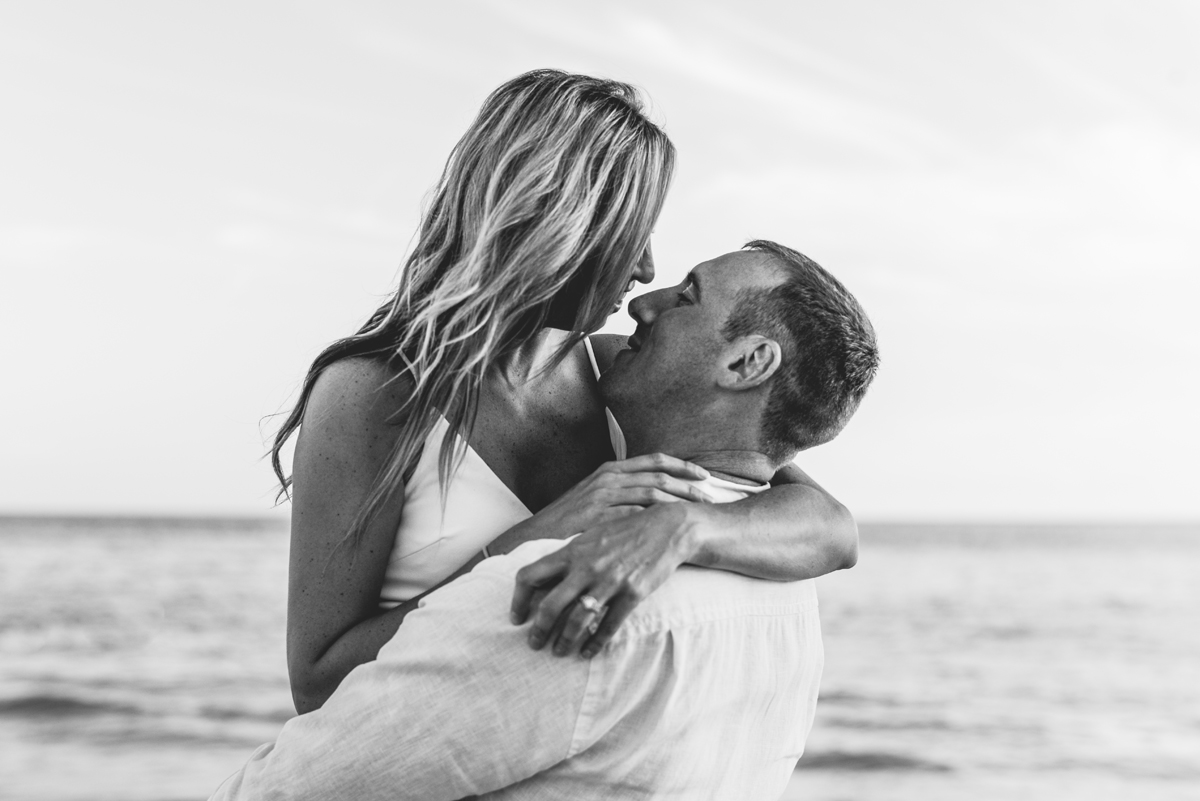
(658, 463)
(618, 609)
(614, 508)
(648, 496)
(531, 578)
(583, 618)
(624, 511)
(578, 619)
(682, 490)
(551, 608)
(556, 630)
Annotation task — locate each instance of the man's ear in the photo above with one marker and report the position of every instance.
(749, 362)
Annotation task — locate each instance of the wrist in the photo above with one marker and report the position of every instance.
(691, 527)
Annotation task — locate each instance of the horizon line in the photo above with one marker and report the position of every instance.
(272, 518)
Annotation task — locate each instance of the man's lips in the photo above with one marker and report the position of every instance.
(634, 343)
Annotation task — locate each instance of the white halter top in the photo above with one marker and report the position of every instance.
(431, 541)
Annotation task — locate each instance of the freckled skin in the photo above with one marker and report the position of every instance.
(541, 447)
(540, 441)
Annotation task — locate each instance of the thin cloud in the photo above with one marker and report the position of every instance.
(809, 109)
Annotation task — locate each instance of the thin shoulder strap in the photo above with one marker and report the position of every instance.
(587, 343)
(615, 435)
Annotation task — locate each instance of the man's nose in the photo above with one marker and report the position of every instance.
(645, 308)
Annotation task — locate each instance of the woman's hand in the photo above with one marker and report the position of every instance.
(614, 491)
(794, 531)
(617, 563)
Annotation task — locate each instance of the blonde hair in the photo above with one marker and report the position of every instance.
(543, 210)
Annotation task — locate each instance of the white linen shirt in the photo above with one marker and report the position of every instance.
(707, 691)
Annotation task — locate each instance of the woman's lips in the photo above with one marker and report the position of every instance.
(629, 288)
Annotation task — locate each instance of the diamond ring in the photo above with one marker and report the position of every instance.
(590, 604)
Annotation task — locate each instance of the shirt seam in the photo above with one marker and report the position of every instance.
(586, 711)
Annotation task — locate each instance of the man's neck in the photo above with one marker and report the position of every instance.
(721, 438)
(738, 466)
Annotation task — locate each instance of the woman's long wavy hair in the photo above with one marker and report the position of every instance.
(544, 208)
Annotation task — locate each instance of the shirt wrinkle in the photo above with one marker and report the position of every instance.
(707, 691)
(585, 715)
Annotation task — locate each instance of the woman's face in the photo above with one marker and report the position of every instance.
(565, 306)
(643, 273)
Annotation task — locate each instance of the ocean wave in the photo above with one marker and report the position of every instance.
(869, 760)
(43, 707)
(167, 736)
(279, 716)
(847, 698)
(885, 725)
(1160, 768)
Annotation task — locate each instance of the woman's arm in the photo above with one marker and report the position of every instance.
(792, 531)
(334, 623)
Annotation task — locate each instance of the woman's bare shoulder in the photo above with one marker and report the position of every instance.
(358, 397)
(606, 347)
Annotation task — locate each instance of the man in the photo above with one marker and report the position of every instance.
(709, 688)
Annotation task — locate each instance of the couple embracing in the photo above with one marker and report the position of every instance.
(531, 563)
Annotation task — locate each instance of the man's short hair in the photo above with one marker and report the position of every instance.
(829, 351)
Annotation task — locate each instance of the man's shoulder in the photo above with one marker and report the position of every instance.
(698, 596)
(692, 596)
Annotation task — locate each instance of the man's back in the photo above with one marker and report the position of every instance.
(708, 690)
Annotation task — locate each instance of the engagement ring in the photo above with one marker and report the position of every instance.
(591, 604)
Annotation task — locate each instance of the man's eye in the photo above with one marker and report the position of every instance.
(688, 295)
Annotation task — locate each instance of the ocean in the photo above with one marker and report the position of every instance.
(143, 660)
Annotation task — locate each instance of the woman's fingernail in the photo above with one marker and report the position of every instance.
(515, 618)
(535, 641)
(587, 653)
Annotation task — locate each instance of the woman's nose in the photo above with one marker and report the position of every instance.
(643, 273)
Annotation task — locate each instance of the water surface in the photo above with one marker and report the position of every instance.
(144, 660)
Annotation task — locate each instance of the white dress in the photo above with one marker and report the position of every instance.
(432, 542)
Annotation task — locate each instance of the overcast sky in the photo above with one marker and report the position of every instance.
(196, 198)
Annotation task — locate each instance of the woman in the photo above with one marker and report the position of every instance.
(539, 225)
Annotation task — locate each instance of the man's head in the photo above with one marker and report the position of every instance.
(759, 350)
